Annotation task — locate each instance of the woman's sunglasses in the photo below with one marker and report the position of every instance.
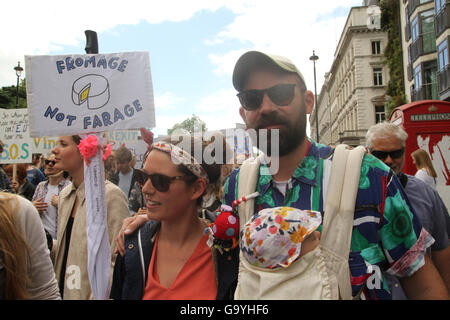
(47, 162)
(160, 182)
(383, 154)
(280, 94)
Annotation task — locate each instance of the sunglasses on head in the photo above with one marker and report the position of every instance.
(383, 154)
(280, 94)
(47, 162)
(160, 182)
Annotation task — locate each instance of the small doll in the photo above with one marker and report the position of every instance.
(224, 231)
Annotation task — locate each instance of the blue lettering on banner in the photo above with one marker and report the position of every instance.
(112, 63)
(59, 116)
(118, 115)
(104, 119)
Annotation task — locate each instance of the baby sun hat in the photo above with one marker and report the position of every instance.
(273, 237)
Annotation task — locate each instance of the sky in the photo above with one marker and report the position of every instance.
(193, 45)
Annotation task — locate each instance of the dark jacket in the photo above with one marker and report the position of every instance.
(134, 196)
(131, 271)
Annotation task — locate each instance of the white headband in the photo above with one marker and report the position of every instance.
(179, 156)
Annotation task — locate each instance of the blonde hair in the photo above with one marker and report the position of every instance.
(14, 249)
(423, 161)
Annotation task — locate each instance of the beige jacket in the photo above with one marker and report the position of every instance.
(43, 285)
(76, 284)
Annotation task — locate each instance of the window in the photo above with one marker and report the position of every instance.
(428, 32)
(418, 78)
(440, 4)
(380, 114)
(415, 29)
(429, 81)
(377, 76)
(376, 47)
(442, 55)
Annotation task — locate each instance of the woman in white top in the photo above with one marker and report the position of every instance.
(425, 169)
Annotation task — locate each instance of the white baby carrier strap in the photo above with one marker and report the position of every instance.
(339, 213)
(322, 273)
(248, 177)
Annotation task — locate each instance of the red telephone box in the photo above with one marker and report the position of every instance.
(427, 123)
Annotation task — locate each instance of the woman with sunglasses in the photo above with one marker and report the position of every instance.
(45, 197)
(168, 257)
(71, 252)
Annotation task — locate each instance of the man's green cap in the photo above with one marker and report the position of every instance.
(253, 60)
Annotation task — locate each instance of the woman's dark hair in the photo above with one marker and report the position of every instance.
(77, 139)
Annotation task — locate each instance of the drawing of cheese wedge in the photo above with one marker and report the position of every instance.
(92, 89)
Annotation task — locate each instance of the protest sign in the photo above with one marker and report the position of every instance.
(87, 95)
(44, 144)
(74, 94)
(132, 140)
(14, 132)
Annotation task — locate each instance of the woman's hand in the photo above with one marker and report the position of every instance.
(129, 225)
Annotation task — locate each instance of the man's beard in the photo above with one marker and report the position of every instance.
(291, 135)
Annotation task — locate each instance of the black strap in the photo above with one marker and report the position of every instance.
(403, 179)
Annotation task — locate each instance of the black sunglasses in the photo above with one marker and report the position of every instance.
(280, 94)
(47, 162)
(160, 182)
(383, 154)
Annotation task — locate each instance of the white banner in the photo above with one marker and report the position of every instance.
(77, 94)
(44, 144)
(99, 250)
(14, 132)
(132, 140)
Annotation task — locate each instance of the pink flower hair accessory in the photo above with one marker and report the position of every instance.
(88, 148)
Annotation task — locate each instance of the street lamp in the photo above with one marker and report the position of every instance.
(314, 58)
(18, 70)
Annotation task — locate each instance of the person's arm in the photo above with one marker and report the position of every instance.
(43, 284)
(441, 259)
(425, 283)
(129, 225)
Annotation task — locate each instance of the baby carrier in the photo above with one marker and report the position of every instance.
(322, 273)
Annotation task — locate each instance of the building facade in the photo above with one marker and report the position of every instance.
(353, 95)
(425, 38)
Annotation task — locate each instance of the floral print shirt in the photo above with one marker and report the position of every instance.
(387, 236)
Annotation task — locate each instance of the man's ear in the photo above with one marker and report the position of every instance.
(242, 113)
(309, 101)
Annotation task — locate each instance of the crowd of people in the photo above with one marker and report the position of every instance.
(163, 218)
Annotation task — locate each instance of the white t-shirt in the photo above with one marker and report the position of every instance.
(125, 181)
(49, 218)
(422, 174)
(283, 186)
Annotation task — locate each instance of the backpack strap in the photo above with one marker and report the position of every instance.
(340, 207)
(248, 177)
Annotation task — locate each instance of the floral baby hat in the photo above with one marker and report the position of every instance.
(273, 237)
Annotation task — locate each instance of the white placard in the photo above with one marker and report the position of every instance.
(14, 133)
(132, 140)
(44, 144)
(74, 94)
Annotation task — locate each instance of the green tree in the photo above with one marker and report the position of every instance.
(8, 96)
(390, 22)
(192, 124)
